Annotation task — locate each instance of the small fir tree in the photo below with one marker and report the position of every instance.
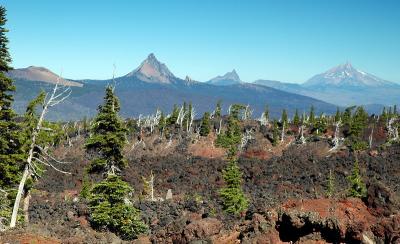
(266, 113)
(107, 136)
(357, 186)
(275, 134)
(296, 118)
(110, 208)
(337, 115)
(359, 122)
(205, 125)
(233, 198)
(311, 117)
(218, 109)
(284, 118)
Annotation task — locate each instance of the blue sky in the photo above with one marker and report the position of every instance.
(280, 40)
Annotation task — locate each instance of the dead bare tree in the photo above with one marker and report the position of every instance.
(247, 136)
(371, 137)
(263, 120)
(393, 133)
(302, 139)
(37, 155)
(336, 139)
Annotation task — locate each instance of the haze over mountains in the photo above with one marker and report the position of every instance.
(152, 85)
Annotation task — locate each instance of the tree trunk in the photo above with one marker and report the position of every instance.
(26, 207)
(19, 196)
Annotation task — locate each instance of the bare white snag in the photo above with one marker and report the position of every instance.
(246, 138)
(370, 138)
(336, 139)
(56, 97)
(283, 132)
(393, 133)
(263, 120)
(302, 138)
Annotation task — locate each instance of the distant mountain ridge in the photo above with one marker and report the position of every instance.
(230, 78)
(152, 86)
(33, 73)
(344, 85)
(346, 75)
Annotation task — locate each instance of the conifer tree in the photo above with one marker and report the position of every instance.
(357, 186)
(296, 118)
(205, 125)
(359, 122)
(232, 134)
(275, 134)
(11, 140)
(110, 207)
(174, 115)
(162, 123)
(284, 118)
(107, 136)
(395, 110)
(311, 117)
(233, 198)
(266, 113)
(337, 115)
(218, 109)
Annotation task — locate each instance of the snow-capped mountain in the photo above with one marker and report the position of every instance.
(153, 71)
(34, 73)
(229, 78)
(345, 75)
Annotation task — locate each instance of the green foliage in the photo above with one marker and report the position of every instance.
(331, 185)
(232, 135)
(359, 122)
(266, 113)
(275, 133)
(162, 123)
(358, 145)
(110, 208)
(357, 186)
(86, 185)
(205, 125)
(284, 118)
(346, 117)
(233, 198)
(384, 116)
(296, 118)
(174, 116)
(338, 115)
(11, 138)
(107, 135)
(236, 111)
(218, 109)
(320, 125)
(311, 117)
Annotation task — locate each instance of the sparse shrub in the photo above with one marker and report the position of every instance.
(358, 145)
(111, 209)
(357, 186)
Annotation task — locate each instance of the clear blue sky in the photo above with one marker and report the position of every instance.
(281, 40)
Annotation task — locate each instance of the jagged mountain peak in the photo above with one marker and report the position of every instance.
(229, 78)
(152, 70)
(346, 76)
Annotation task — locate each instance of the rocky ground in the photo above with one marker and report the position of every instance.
(286, 186)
